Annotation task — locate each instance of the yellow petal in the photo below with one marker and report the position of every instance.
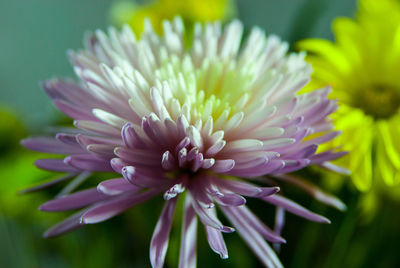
(327, 51)
(384, 168)
(349, 37)
(361, 163)
(388, 157)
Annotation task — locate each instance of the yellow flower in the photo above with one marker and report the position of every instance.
(190, 10)
(363, 66)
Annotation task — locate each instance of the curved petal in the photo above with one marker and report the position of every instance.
(252, 238)
(110, 208)
(66, 225)
(73, 201)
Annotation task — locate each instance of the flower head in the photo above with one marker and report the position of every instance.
(203, 124)
(362, 67)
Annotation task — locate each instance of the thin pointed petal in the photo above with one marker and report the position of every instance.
(187, 255)
(159, 241)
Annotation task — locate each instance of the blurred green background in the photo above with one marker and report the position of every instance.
(35, 38)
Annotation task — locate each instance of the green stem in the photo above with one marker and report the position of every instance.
(341, 243)
(307, 240)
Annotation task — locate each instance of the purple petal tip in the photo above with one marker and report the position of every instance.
(281, 240)
(88, 220)
(325, 220)
(341, 206)
(227, 229)
(46, 207)
(67, 160)
(223, 256)
(24, 141)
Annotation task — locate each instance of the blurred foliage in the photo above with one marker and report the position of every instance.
(15, 173)
(11, 131)
(134, 13)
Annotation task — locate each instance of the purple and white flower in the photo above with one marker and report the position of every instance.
(210, 122)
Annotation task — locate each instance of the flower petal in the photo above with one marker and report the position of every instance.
(187, 255)
(216, 242)
(66, 225)
(116, 187)
(73, 201)
(295, 208)
(159, 241)
(252, 238)
(110, 208)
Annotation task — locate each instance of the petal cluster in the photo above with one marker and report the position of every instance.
(204, 121)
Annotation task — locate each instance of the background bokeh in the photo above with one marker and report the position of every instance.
(35, 38)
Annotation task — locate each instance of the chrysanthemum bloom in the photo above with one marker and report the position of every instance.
(363, 68)
(202, 124)
(131, 13)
